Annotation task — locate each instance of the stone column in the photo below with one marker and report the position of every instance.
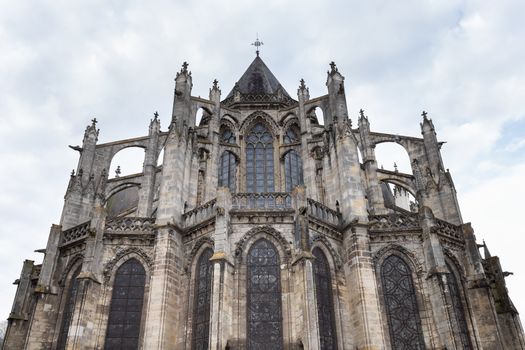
(359, 271)
(47, 302)
(221, 303)
(147, 188)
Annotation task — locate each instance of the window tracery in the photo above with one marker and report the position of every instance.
(227, 136)
(201, 306)
(459, 311)
(293, 170)
(291, 135)
(401, 305)
(69, 308)
(125, 312)
(325, 304)
(264, 315)
(259, 160)
(228, 170)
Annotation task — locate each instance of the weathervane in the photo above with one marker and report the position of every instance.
(257, 44)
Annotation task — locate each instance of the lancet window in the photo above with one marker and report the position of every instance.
(325, 303)
(201, 306)
(259, 160)
(401, 305)
(293, 170)
(69, 308)
(264, 315)
(227, 170)
(459, 311)
(125, 311)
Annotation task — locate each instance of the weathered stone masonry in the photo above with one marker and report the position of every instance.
(263, 188)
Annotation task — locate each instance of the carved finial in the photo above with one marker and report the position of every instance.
(302, 85)
(94, 121)
(424, 114)
(362, 113)
(117, 171)
(184, 67)
(155, 115)
(257, 44)
(333, 67)
(382, 168)
(72, 172)
(395, 167)
(215, 83)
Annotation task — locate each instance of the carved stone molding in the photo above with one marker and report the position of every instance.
(123, 252)
(72, 262)
(335, 255)
(389, 249)
(241, 245)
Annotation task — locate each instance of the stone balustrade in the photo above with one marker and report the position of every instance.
(129, 225)
(264, 200)
(448, 230)
(394, 222)
(200, 213)
(76, 232)
(323, 213)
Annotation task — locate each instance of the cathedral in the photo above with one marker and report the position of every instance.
(262, 226)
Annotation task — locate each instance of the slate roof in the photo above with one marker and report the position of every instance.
(258, 80)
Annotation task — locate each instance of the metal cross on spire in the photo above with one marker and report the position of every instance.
(257, 44)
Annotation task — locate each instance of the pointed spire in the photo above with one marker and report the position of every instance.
(154, 125)
(427, 124)
(303, 92)
(333, 68)
(215, 91)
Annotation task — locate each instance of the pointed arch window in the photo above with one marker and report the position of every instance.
(264, 314)
(459, 311)
(259, 160)
(227, 170)
(401, 305)
(125, 311)
(69, 309)
(227, 136)
(291, 135)
(201, 305)
(293, 170)
(325, 302)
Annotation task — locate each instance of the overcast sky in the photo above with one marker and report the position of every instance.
(63, 62)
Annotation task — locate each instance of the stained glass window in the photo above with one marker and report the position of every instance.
(264, 316)
(259, 160)
(291, 135)
(459, 311)
(125, 311)
(201, 306)
(227, 136)
(69, 308)
(293, 170)
(227, 170)
(401, 305)
(325, 304)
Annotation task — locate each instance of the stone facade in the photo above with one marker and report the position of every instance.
(395, 276)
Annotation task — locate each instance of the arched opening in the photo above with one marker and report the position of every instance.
(316, 116)
(125, 310)
(123, 202)
(292, 134)
(202, 117)
(393, 157)
(397, 196)
(127, 161)
(459, 310)
(264, 309)
(69, 309)
(325, 302)
(227, 135)
(228, 170)
(399, 295)
(259, 159)
(202, 301)
(293, 170)
(160, 158)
